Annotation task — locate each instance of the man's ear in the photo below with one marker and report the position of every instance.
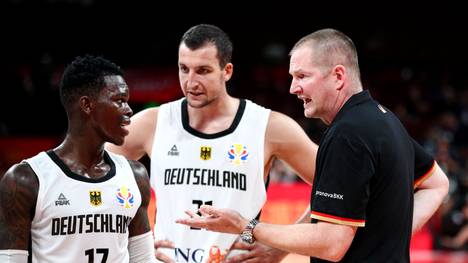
(228, 70)
(85, 104)
(339, 71)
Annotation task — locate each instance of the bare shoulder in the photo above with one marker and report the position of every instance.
(283, 134)
(146, 115)
(139, 170)
(285, 139)
(139, 141)
(142, 178)
(19, 179)
(143, 122)
(276, 116)
(281, 125)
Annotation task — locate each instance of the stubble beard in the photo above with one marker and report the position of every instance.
(197, 104)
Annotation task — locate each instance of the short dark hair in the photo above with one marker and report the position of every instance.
(85, 76)
(200, 35)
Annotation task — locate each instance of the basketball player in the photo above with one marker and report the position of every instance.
(211, 148)
(78, 202)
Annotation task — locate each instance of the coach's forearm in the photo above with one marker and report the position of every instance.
(322, 240)
(429, 197)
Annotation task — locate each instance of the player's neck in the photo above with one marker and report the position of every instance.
(215, 117)
(81, 163)
(86, 152)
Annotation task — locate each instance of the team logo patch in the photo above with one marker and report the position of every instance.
(216, 255)
(205, 153)
(95, 197)
(238, 154)
(125, 197)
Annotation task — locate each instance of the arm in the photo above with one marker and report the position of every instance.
(140, 138)
(140, 223)
(261, 251)
(18, 195)
(286, 140)
(428, 197)
(323, 240)
(140, 243)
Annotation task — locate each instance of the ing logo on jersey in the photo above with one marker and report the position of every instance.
(205, 153)
(238, 154)
(95, 197)
(216, 255)
(125, 197)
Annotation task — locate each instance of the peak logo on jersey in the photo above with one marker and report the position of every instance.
(205, 153)
(173, 151)
(216, 255)
(62, 200)
(238, 154)
(95, 197)
(125, 197)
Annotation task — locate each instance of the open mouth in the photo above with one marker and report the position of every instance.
(125, 121)
(195, 94)
(304, 99)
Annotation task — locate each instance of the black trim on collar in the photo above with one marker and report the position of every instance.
(231, 129)
(78, 177)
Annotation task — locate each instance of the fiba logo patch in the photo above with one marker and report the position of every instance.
(125, 197)
(238, 154)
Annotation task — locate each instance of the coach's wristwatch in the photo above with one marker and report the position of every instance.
(247, 233)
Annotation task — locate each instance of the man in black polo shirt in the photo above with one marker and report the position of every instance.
(374, 185)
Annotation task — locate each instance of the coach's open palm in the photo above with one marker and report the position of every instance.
(215, 219)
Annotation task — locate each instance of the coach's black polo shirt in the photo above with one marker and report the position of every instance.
(367, 168)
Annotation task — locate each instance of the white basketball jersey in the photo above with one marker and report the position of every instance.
(189, 169)
(79, 219)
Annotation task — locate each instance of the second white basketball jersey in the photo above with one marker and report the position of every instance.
(189, 169)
